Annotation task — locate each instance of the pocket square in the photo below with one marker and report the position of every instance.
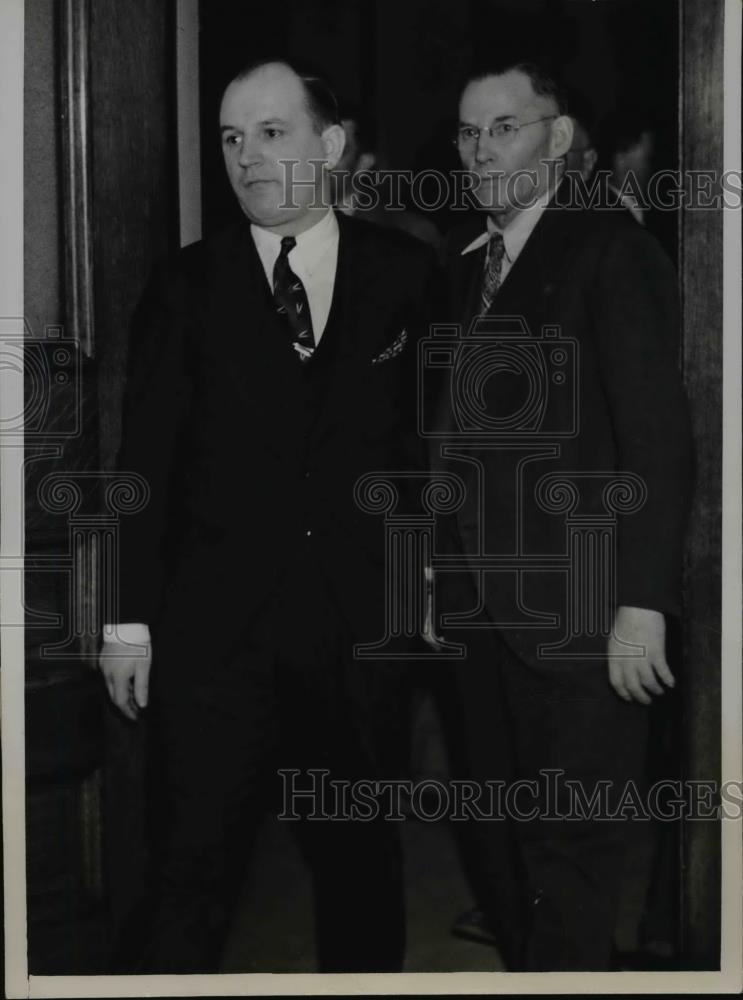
(395, 347)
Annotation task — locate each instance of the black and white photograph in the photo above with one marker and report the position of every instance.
(370, 467)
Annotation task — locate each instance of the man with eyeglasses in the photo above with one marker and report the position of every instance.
(578, 389)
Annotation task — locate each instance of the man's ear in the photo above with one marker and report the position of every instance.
(334, 142)
(561, 135)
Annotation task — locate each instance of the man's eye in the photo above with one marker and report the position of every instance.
(231, 140)
(505, 128)
(469, 133)
(273, 133)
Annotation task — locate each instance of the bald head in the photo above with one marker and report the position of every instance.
(275, 153)
(322, 103)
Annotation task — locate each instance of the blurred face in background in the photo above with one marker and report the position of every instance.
(501, 162)
(582, 155)
(354, 159)
(636, 159)
(265, 121)
(352, 162)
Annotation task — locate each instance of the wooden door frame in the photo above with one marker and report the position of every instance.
(701, 99)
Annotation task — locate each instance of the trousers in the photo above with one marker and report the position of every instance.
(545, 854)
(224, 737)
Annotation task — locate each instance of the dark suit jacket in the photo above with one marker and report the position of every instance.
(244, 454)
(599, 282)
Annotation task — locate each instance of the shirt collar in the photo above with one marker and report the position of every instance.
(311, 244)
(630, 202)
(517, 232)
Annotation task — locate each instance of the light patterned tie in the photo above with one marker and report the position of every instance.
(492, 274)
(291, 301)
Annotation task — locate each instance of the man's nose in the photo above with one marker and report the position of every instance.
(250, 152)
(484, 148)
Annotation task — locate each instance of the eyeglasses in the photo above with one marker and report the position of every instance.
(503, 131)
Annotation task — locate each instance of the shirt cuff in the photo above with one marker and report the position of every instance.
(130, 633)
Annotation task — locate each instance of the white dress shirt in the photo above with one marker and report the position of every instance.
(314, 260)
(515, 234)
(630, 203)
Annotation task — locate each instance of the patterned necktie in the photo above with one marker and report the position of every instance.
(491, 274)
(291, 301)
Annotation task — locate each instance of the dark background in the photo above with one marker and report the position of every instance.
(401, 61)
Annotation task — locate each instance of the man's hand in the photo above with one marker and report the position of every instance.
(636, 678)
(126, 670)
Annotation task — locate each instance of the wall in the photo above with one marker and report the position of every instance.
(41, 162)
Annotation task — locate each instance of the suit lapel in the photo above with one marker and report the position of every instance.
(465, 271)
(532, 277)
(256, 349)
(248, 334)
(535, 275)
(361, 283)
(527, 291)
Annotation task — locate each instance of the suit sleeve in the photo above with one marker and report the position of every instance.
(156, 404)
(636, 317)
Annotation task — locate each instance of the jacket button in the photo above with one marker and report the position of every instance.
(308, 533)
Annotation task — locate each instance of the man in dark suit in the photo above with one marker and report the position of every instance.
(566, 418)
(271, 366)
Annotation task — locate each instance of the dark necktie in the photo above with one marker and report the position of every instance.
(492, 274)
(291, 301)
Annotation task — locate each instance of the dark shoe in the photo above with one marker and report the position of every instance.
(474, 926)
